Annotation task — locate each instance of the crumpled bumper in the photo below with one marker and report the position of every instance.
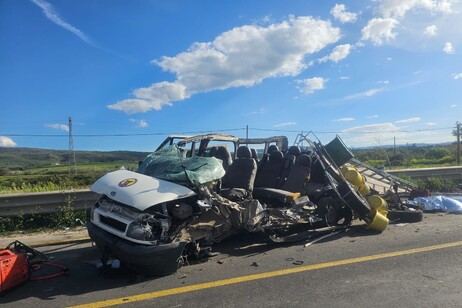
(156, 260)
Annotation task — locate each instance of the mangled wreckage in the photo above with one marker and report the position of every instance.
(195, 191)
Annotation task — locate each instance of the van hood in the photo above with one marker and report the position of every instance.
(138, 190)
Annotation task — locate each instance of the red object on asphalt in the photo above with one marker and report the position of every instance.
(14, 269)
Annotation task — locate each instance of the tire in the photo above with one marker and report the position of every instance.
(332, 212)
(405, 216)
(328, 210)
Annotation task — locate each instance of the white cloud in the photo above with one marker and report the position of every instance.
(285, 124)
(374, 116)
(410, 120)
(241, 57)
(344, 119)
(372, 128)
(345, 77)
(339, 53)
(430, 124)
(385, 134)
(389, 59)
(339, 12)
(53, 16)
(453, 106)
(367, 93)
(62, 127)
(379, 30)
(431, 30)
(383, 81)
(140, 123)
(382, 134)
(311, 84)
(259, 111)
(399, 8)
(448, 48)
(266, 19)
(6, 142)
(457, 76)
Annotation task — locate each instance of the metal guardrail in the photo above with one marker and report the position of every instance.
(52, 202)
(453, 172)
(45, 202)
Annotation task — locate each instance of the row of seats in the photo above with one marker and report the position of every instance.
(287, 173)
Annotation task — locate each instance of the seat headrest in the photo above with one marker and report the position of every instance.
(254, 153)
(272, 148)
(276, 156)
(303, 160)
(223, 154)
(244, 152)
(213, 151)
(294, 150)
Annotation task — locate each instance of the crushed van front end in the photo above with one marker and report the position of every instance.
(153, 260)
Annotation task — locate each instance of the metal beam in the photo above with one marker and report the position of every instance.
(45, 202)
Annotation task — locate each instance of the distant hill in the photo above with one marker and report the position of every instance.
(24, 158)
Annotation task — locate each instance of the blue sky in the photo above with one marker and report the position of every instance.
(131, 72)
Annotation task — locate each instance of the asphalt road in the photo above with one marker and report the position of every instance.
(413, 265)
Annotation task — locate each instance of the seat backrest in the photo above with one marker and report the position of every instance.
(318, 174)
(223, 154)
(299, 175)
(241, 173)
(294, 150)
(269, 173)
(266, 155)
(272, 148)
(212, 151)
(289, 161)
(254, 154)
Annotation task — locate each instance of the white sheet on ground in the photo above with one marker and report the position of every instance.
(440, 203)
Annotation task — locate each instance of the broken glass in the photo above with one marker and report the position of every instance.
(171, 164)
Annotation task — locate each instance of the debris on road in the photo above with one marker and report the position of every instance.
(18, 261)
(321, 238)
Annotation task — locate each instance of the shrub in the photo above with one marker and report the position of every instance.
(446, 159)
(436, 184)
(4, 171)
(437, 153)
(65, 218)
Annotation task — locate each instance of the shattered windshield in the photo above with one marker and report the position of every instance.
(171, 164)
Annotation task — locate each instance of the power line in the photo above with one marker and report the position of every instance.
(221, 130)
(355, 132)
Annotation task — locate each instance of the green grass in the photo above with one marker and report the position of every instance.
(57, 177)
(65, 218)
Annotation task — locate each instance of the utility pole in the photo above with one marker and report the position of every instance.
(247, 133)
(458, 143)
(394, 144)
(71, 148)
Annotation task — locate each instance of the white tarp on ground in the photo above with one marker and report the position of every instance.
(439, 203)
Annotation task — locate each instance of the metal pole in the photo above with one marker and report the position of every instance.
(458, 144)
(71, 148)
(247, 133)
(394, 144)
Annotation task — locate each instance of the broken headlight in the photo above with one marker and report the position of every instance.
(149, 228)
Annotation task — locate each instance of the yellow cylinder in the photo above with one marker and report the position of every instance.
(379, 222)
(354, 177)
(379, 204)
(346, 168)
(364, 190)
(376, 202)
